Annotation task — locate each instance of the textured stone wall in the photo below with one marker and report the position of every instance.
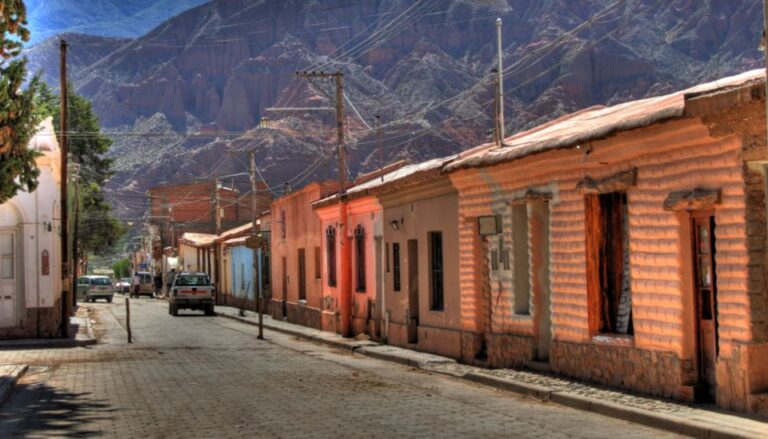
(49, 319)
(301, 314)
(510, 350)
(647, 371)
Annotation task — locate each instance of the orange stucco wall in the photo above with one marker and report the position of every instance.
(294, 214)
(674, 156)
(365, 212)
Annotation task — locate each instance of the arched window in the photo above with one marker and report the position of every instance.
(330, 253)
(360, 258)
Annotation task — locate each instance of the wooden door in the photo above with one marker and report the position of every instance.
(8, 279)
(302, 275)
(413, 291)
(705, 290)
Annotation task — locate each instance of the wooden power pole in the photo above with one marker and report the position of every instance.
(217, 205)
(63, 205)
(345, 286)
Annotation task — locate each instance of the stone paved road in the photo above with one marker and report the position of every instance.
(196, 376)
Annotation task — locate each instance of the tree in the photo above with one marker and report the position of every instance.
(98, 230)
(122, 268)
(18, 120)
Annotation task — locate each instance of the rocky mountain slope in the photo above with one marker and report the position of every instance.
(208, 75)
(115, 18)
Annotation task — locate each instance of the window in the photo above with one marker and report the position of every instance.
(302, 275)
(192, 280)
(100, 281)
(360, 259)
(330, 254)
(520, 262)
(386, 256)
(318, 266)
(396, 265)
(436, 270)
(608, 283)
(7, 257)
(282, 224)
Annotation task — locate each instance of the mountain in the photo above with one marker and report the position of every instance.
(206, 77)
(112, 18)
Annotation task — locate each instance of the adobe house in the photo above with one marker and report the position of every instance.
(237, 285)
(295, 256)
(364, 236)
(420, 303)
(30, 250)
(625, 245)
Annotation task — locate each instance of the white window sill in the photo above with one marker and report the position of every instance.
(614, 340)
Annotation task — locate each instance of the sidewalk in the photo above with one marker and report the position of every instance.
(9, 375)
(692, 420)
(81, 334)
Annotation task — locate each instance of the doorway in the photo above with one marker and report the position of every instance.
(302, 275)
(705, 291)
(539, 251)
(413, 291)
(8, 281)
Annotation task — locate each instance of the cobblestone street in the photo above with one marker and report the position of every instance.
(196, 376)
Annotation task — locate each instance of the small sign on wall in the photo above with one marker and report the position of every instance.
(489, 225)
(45, 263)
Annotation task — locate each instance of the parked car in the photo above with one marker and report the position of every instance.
(123, 286)
(146, 285)
(191, 291)
(90, 288)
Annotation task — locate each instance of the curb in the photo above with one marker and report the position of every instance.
(648, 418)
(331, 343)
(6, 387)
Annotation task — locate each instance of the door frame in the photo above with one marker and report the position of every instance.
(706, 388)
(414, 301)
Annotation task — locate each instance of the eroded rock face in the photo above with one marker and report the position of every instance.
(223, 64)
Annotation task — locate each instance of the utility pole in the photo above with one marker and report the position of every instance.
(217, 205)
(75, 232)
(65, 287)
(765, 50)
(496, 132)
(501, 83)
(254, 233)
(381, 149)
(345, 286)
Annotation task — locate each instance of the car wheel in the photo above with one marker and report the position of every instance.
(109, 300)
(209, 311)
(174, 311)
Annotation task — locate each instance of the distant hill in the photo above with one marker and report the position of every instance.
(114, 18)
(197, 84)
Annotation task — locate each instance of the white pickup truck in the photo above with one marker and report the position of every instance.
(191, 291)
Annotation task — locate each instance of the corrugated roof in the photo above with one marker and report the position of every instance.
(594, 123)
(399, 175)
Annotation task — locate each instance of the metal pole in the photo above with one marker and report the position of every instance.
(501, 82)
(63, 203)
(381, 149)
(254, 232)
(128, 319)
(217, 205)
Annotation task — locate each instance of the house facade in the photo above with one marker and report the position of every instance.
(421, 299)
(239, 280)
(295, 256)
(30, 250)
(625, 246)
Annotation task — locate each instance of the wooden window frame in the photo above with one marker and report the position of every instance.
(604, 283)
(436, 272)
(396, 267)
(360, 269)
(330, 254)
